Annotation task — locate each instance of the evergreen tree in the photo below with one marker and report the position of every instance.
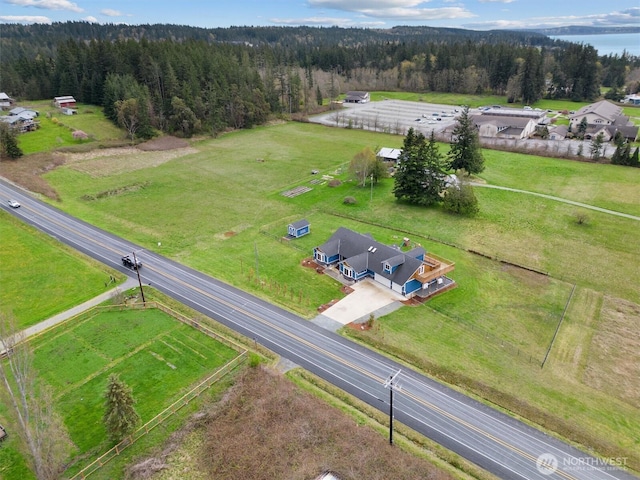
(435, 183)
(616, 158)
(582, 128)
(596, 146)
(120, 417)
(420, 177)
(635, 158)
(464, 152)
(9, 142)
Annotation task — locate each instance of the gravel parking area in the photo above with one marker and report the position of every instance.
(391, 116)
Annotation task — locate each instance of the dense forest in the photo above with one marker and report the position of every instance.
(186, 80)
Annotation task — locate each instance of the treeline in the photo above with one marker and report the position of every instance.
(187, 80)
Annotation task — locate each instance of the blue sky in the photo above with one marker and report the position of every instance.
(471, 14)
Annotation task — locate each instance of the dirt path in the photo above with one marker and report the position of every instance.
(558, 199)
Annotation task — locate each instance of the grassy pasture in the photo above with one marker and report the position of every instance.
(492, 331)
(56, 129)
(221, 210)
(153, 353)
(41, 277)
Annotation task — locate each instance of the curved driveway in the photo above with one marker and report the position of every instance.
(496, 442)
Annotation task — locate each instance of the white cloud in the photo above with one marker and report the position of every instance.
(90, 19)
(394, 10)
(496, 1)
(24, 19)
(341, 22)
(47, 4)
(111, 13)
(629, 17)
(359, 5)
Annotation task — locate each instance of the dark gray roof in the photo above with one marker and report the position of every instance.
(300, 223)
(361, 251)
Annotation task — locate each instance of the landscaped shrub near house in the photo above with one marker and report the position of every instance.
(334, 183)
(349, 201)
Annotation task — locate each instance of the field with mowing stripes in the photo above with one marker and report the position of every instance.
(156, 355)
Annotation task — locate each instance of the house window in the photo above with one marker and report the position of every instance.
(421, 269)
(347, 271)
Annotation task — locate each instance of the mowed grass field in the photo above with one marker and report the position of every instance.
(41, 277)
(156, 355)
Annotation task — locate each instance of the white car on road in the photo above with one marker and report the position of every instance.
(13, 203)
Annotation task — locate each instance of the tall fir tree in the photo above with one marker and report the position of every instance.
(464, 152)
(9, 142)
(120, 417)
(410, 175)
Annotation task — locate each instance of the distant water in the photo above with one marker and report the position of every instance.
(608, 43)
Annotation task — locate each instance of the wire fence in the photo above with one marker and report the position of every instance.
(161, 417)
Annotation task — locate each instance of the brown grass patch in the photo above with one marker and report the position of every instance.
(613, 365)
(267, 428)
(160, 144)
(27, 171)
(114, 161)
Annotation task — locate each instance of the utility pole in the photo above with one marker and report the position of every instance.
(391, 386)
(135, 263)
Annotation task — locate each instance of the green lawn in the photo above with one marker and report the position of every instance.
(56, 129)
(41, 277)
(157, 356)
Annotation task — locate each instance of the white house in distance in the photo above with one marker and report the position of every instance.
(357, 97)
(606, 118)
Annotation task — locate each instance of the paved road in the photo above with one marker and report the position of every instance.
(494, 441)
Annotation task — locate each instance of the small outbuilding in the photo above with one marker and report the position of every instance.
(66, 101)
(357, 97)
(299, 228)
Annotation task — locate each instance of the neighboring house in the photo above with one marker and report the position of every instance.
(357, 256)
(19, 123)
(559, 132)
(299, 228)
(387, 154)
(24, 112)
(357, 97)
(606, 118)
(64, 102)
(632, 99)
(499, 126)
(514, 123)
(21, 119)
(6, 101)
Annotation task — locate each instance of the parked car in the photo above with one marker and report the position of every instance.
(13, 203)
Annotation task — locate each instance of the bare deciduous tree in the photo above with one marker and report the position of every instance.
(45, 440)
